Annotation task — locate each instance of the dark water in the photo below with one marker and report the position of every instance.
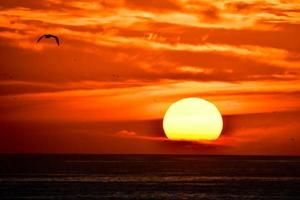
(148, 177)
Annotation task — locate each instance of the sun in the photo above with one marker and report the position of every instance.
(192, 119)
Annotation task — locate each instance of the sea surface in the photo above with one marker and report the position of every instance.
(148, 177)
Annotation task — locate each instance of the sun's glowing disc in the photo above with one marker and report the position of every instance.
(193, 119)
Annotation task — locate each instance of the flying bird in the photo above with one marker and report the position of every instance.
(46, 36)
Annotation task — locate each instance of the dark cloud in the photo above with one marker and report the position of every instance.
(254, 7)
(104, 137)
(154, 5)
(6, 4)
(35, 5)
(280, 35)
(283, 36)
(234, 124)
(89, 137)
(56, 69)
(219, 67)
(67, 65)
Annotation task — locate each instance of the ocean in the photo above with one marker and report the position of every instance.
(73, 177)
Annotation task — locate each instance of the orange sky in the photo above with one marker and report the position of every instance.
(121, 64)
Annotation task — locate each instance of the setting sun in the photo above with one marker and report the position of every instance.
(193, 119)
(149, 99)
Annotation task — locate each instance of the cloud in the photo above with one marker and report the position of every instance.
(216, 63)
(125, 133)
(148, 101)
(275, 133)
(260, 133)
(30, 4)
(126, 60)
(155, 5)
(278, 9)
(219, 54)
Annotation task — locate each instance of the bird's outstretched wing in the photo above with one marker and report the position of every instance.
(40, 38)
(56, 39)
(49, 36)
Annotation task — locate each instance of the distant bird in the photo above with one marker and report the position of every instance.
(116, 76)
(46, 36)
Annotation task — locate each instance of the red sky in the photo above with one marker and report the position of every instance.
(121, 64)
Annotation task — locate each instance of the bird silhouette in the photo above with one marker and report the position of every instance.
(46, 36)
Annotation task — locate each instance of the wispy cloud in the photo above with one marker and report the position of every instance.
(130, 59)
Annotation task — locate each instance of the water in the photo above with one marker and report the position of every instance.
(148, 177)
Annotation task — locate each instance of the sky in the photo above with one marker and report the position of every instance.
(122, 63)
